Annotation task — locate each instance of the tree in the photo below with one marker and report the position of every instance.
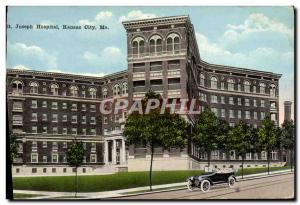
(206, 132)
(154, 129)
(223, 141)
(287, 138)
(241, 140)
(13, 147)
(75, 155)
(267, 137)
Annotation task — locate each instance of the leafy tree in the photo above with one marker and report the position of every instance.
(288, 138)
(13, 147)
(75, 155)
(155, 129)
(206, 132)
(241, 140)
(267, 137)
(223, 141)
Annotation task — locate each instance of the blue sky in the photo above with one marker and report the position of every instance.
(254, 37)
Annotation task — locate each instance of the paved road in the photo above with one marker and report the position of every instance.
(276, 187)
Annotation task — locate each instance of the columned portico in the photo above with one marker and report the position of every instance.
(115, 150)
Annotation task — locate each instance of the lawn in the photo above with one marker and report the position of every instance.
(116, 181)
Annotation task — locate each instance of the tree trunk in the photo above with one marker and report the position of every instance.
(151, 162)
(268, 162)
(242, 167)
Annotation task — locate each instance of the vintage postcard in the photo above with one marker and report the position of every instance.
(150, 103)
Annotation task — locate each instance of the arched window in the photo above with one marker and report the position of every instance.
(214, 83)
(124, 88)
(155, 45)
(33, 88)
(247, 86)
(54, 89)
(138, 47)
(104, 92)
(173, 43)
(74, 91)
(262, 88)
(17, 87)
(230, 84)
(93, 92)
(272, 90)
(116, 89)
(202, 79)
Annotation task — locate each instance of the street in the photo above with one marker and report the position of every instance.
(276, 187)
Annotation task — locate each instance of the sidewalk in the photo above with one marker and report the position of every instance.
(141, 190)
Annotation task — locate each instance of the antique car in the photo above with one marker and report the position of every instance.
(205, 181)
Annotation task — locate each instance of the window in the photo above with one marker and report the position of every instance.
(222, 86)
(247, 102)
(34, 129)
(34, 158)
(74, 119)
(124, 88)
(45, 130)
(54, 158)
(262, 115)
(239, 114)
(65, 145)
(33, 88)
(64, 93)
(93, 120)
(239, 87)
(34, 117)
(247, 86)
(104, 92)
(255, 115)
(223, 99)
(34, 145)
(231, 113)
(83, 93)
(213, 83)
(263, 155)
(74, 107)
(17, 87)
(54, 89)
(262, 103)
(64, 106)
(74, 131)
(254, 103)
(254, 88)
(155, 45)
(203, 97)
(93, 158)
(83, 131)
(34, 170)
(44, 105)
(222, 112)
(105, 120)
(17, 119)
(116, 89)
(239, 101)
(231, 102)
(74, 91)
(65, 131)
(93, 108)
(247, 114)
(54, 118)
(83, 107)
(214, 99)
(262, 88)
(173, 44)
(230, 84)
(93, 93)
(65, 118)
(44, 144)
(45, 159)
(83, 120)
(138, 47)
(272, 90)
(231, 124)
(54, 105)
(64, 159)
(33, 103)
(93, 131)
(202, 79)
(54, 146)
(54, 130)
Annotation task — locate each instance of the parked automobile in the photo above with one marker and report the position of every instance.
(205, 181)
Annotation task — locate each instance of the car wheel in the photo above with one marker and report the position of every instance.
(205, 185)
(189, 185)
(231, 181)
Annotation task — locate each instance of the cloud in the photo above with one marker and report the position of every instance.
(29, 55)
(136, 15)
(102, 16)
(110, 58)
(78, 73)
(21, 67)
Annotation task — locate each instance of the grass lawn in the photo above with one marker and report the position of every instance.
(116, 181)
(24, 196)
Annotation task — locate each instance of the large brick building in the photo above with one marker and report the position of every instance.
(47, 110)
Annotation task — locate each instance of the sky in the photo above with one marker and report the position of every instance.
(260, 38)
